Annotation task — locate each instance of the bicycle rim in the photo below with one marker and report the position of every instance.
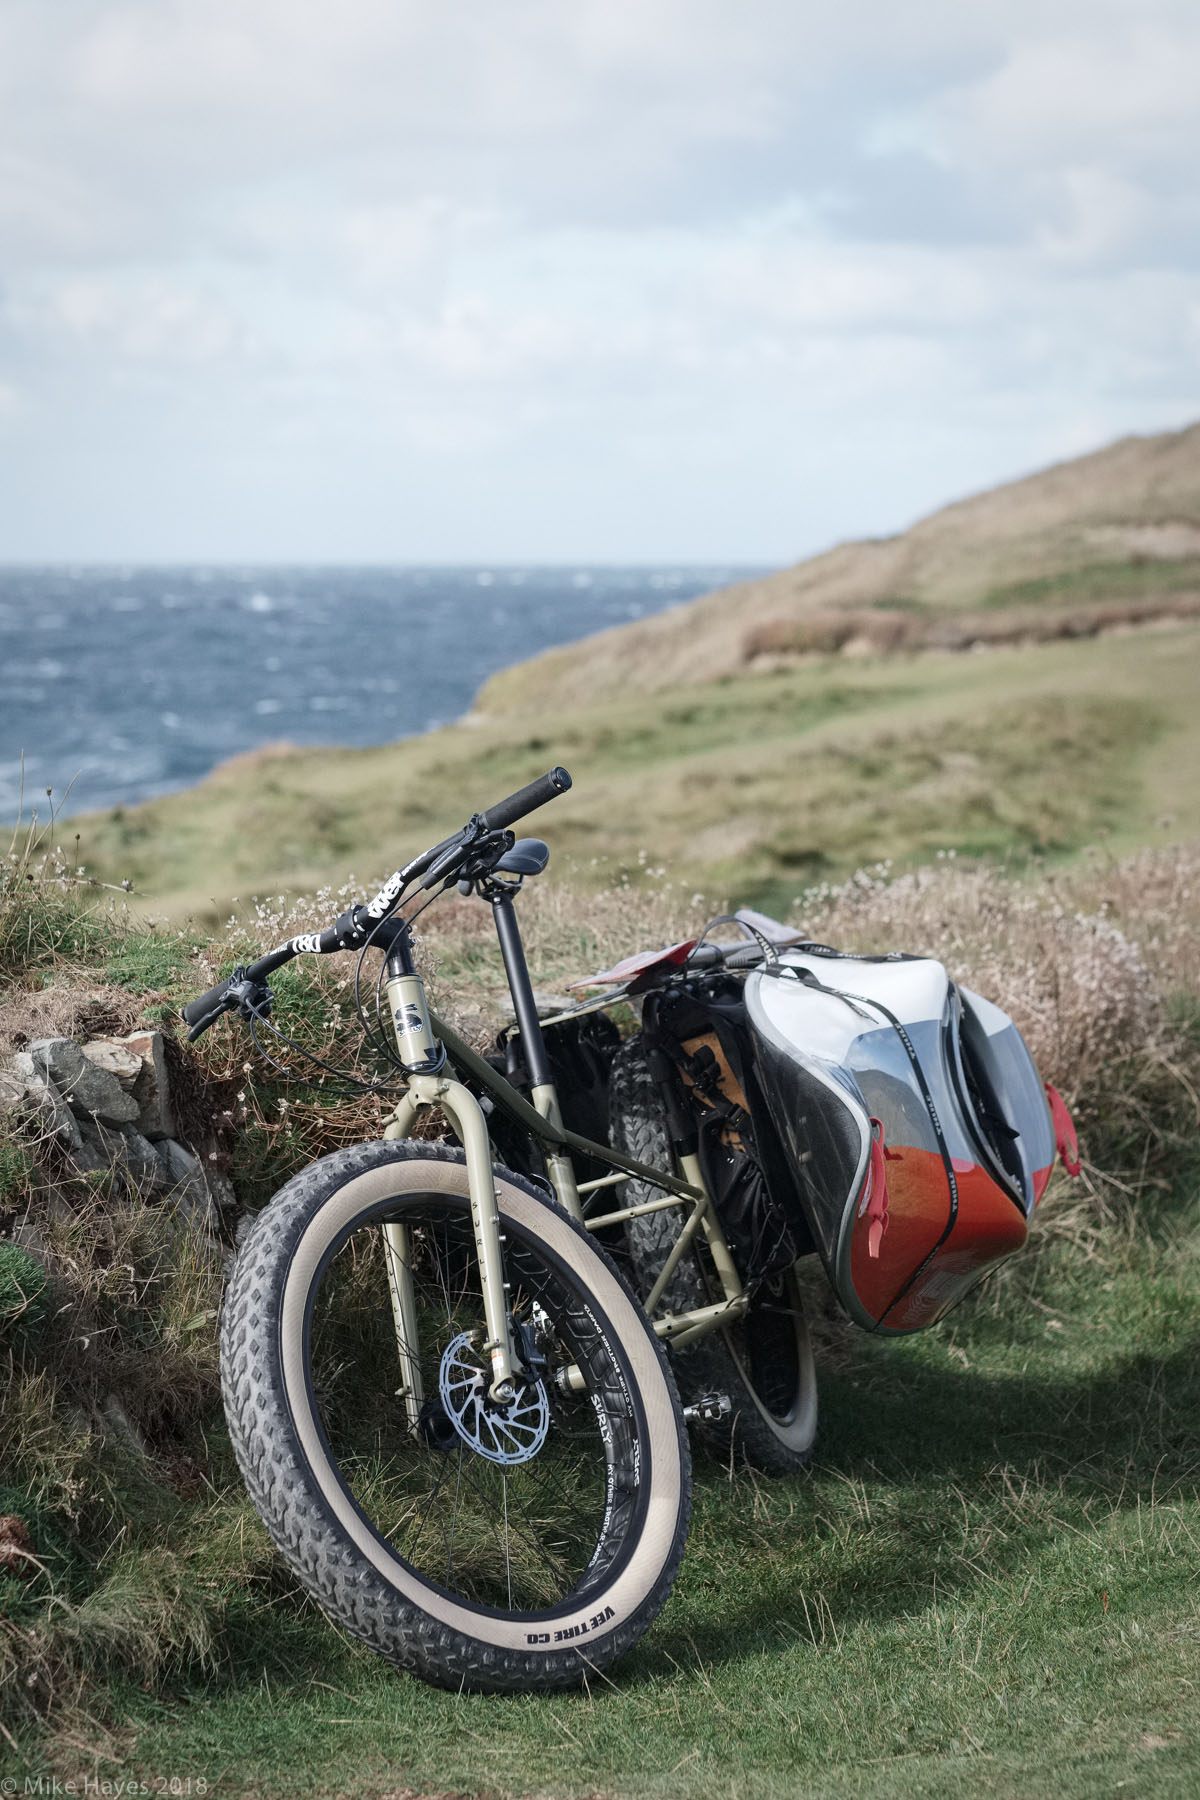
(521, 1536)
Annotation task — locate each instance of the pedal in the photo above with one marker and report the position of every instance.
(709, 1409)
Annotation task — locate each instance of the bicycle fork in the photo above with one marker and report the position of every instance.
(424, 1061)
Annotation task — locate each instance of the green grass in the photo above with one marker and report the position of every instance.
(988, 1584)
(752, 784)
(146, 961)
(24, 1302)
(1126, 580)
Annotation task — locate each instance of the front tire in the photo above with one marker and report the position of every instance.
(764, 1362)
(494, 1575)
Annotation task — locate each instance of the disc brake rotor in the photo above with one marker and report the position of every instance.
(512, 1435)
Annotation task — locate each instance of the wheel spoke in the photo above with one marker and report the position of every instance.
(410, 1550)
(517, 1517)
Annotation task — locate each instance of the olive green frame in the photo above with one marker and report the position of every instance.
(542, 1119)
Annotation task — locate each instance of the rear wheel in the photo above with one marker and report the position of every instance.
(764, 1362)
(490, 1548)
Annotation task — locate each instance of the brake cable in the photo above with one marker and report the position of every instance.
(347, 1087)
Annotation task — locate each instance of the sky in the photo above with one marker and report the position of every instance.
(577, 280)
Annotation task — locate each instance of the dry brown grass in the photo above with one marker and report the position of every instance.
(1077, 984)
(885, 632)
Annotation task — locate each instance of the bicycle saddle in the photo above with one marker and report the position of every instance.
(528, 856)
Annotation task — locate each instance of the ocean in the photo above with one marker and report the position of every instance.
(128, 682)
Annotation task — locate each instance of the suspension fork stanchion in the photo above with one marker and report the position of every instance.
(470, 1127)
(397, 1253)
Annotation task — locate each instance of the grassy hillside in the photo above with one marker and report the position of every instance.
(1018, 674)
(1085, 543)
(754, 786)
(988, 1581)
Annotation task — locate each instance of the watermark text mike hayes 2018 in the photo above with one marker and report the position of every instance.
(106, 1787)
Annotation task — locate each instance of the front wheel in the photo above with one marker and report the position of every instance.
(493, 1549)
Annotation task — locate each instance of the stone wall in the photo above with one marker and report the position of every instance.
(105, 1105)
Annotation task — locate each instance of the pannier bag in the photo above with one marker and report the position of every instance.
(916, 1121)
(705, 1037)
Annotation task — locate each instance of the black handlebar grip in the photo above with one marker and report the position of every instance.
(209, 1005)
(526, 800)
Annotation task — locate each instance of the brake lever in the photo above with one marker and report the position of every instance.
(239, 992)
(451, 855)
(476, 859)
(250, 999)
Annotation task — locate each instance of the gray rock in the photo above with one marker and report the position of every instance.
(98, 1149)
(12, 1093)
(53, 1113)
(111, 1055)
(60, 1058)
(184, 1176)
(221, 1189)
(89, 1160)
(142, 1158)
(86, 1088)
(177, 1163)
(151, 1088)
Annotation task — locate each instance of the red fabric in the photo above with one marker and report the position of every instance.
(877, 1203)
(635, 969)
(1064, 1131)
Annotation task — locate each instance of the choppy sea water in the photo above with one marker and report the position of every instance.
(130, 682)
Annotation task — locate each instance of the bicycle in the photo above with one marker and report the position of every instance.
(451, 1409)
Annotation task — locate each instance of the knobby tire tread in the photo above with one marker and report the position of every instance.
(638, 1125)
(310, 1538)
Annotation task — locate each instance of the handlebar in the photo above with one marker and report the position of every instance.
(197, 1011)
(526, 800)
(243, 989)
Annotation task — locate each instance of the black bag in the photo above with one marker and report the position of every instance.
(580, 1053)
(704, 1036)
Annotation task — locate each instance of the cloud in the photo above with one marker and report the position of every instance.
(743, 252)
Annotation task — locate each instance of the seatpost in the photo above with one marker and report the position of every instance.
(521, 988)
(559, 1166)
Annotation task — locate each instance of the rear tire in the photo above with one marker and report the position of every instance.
(495, 1573)
(764, 1362)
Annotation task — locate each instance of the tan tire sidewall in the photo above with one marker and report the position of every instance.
(641, 1571)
